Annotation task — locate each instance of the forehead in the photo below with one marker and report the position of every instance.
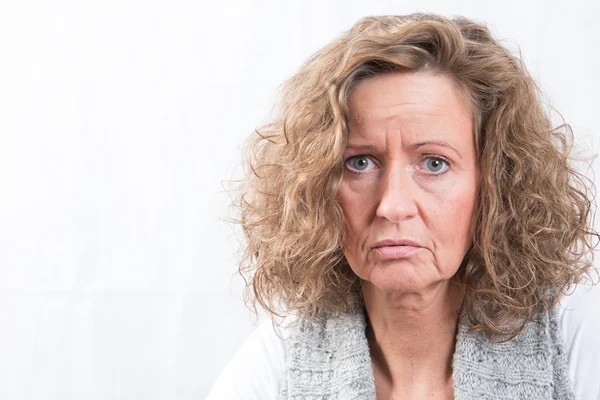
(416, 104)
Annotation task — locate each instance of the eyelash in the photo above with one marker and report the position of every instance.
(427, 156)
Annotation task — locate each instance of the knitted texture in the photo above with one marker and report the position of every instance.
(329, 358)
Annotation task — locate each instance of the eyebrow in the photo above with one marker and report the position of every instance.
(414, 146)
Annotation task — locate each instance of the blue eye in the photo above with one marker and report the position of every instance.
(358, 163)
(436, 164)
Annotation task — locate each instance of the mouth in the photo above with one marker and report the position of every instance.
(396, 251)
(396, 242)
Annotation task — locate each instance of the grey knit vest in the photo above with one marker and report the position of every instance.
(329, 358)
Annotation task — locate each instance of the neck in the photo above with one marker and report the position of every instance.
(412, 335)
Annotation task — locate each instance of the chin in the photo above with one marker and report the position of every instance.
(398, 286)
(403, 279)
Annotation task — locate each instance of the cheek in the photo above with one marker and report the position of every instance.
(454, 216)
(356, 215)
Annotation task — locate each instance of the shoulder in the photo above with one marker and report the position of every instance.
(256, 369)
(579, 318)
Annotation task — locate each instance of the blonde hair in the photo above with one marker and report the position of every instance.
(533, 224)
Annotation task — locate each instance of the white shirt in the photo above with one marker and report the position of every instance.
(256, 370)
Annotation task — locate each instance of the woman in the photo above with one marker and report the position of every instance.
(415, 213)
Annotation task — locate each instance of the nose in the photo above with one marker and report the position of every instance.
(397, 201)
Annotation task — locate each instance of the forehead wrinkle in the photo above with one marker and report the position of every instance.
(408, 144)
(387, 116)
(379, 141)
(409, 125)
(412, 118)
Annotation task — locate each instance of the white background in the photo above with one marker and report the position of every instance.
(121, 122)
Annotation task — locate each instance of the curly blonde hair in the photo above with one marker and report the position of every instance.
(533, 222)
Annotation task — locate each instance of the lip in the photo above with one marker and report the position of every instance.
(396, 251)
(396, 248)
(396, 242)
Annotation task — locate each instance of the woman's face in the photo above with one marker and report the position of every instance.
(411, 173)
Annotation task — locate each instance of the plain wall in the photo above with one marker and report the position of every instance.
(121, 123)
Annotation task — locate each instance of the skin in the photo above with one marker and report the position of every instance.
(393, 189)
